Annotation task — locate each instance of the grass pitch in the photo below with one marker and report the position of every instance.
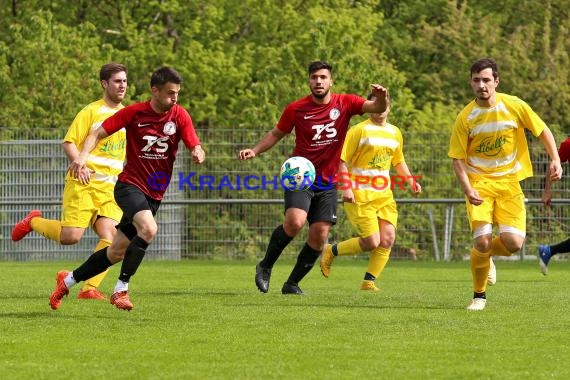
(206, 320)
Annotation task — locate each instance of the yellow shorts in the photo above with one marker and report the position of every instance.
(83, 203)
(364, 216)
(503, 204)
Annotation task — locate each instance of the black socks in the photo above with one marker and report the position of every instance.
(279, 240)
(304, 264)
(95, 264)
(133, 258)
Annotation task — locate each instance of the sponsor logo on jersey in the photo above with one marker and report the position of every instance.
(328, 129)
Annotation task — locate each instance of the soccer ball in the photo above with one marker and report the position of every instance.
(297, 173)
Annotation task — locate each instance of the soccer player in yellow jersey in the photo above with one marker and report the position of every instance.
(490, 157)
(88, 204)
(370, 149)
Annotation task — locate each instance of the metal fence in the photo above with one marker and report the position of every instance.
(220, 220)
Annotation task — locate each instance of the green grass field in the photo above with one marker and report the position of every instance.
(206, 320)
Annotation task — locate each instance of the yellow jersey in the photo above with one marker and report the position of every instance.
(369, 151)
(107, 159)
(492, 141)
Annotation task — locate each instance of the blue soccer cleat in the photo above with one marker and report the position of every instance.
(544, 256)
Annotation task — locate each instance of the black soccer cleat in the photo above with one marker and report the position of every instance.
(262, 276)
(291, 289)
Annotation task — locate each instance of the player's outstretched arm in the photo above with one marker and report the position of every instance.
(555, 168)
(266, 143)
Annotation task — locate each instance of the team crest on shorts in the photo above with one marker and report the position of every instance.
(334, 114)
(169, 128)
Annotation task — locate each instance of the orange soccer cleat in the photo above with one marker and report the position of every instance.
(121, 301)
(60, 290)
(23, 227)
(91, 294)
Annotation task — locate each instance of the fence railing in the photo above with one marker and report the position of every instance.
(234, 224)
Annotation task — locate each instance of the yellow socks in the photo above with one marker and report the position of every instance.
(349, 247)
(480, 264)
(95, 281)
(498, 248)
(378, 259)
(48, 228)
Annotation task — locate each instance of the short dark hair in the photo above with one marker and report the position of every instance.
(165, 75)
(485, 63)
(107, 70)
(319, 65)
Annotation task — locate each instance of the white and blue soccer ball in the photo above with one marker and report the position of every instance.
(297, 173)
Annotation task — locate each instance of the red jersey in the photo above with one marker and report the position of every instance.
(564, 150)
(320, 130)
(152, 143)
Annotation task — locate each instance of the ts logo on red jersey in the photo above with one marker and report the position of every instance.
(328, 129)
(159, 144)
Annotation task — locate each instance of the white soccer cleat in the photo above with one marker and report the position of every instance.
(477, 304)
(492, 276)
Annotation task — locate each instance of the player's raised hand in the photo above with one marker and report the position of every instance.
(381, 97)
(246, 154)
(379, 91)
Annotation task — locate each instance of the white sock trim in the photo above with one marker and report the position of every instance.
(69, 280)
(121, 286)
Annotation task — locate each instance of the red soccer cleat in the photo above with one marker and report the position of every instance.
(91, 294)
(121, 301)
(22, 228)
(60, 290)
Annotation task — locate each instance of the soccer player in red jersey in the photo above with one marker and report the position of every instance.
(545, 252)
(153, 129)
(320, 121)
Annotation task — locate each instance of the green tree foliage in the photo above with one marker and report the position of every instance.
(244, 61)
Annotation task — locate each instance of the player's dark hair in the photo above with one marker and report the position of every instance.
(165, 75)
(319, 65)
(108, 69)
(485, 63)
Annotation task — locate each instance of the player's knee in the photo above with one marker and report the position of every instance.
(71, 235)
(292, 228)
(482, 245)
(69, 240)
(513, 245)
(107, 234)
(148, 230)
(387, 243)
(115, 255)
(148, 233)
(370, 242)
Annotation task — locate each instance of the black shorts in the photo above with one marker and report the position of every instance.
(132, 200)
(320, 205)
